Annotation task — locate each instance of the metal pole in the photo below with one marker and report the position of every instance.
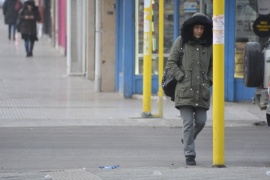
(218, 83)
(160, 57)
(202, 6)
(176, 23)
(98, 47)
(68, 37)
(147, 59)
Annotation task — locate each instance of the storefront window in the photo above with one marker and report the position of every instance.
(168, 34)
(246, 14)
(186, 9)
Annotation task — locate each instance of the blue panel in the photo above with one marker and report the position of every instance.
(243, 93)
(176, 19)
(121, 83)
(119, 20)
(138, 84)
(124, 47)
(155, 84)
(230, 6)
(128, 46)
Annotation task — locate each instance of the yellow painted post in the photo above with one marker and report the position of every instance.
(160, 57)
(218, 83)
(147, 59)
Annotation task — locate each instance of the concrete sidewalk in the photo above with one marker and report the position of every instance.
(38, 92)
(154, 173)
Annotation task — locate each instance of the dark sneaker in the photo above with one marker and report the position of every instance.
(190, 160)
(29, 54)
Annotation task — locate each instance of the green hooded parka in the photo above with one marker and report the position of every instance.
(194, 75)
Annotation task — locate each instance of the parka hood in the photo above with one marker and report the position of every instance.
(30, 2)
(187, 29)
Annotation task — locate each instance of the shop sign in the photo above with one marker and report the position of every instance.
(190, 7)
(147, 3)
(263, 7)
(261, 26)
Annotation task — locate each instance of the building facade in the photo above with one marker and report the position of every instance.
(103, 40)
(239, 18)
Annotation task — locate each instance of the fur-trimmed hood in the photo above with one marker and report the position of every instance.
(187, 29)
(30, 2)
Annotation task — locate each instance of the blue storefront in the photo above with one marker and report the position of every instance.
(239, 16)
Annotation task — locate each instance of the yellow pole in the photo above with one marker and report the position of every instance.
(160, 58)
(147, 59)
(218, 83)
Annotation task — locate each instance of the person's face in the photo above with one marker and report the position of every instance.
(198, 31)
(29, 7)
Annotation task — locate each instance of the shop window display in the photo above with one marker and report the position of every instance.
(168, 29)
(168, 33)
(246, 14)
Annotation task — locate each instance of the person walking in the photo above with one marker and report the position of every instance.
(11, 9)
(29, 16)
(194, 76)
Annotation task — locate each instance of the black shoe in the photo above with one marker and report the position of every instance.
(29, 54)
(190, 160)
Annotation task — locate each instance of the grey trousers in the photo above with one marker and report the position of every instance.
(194, 119)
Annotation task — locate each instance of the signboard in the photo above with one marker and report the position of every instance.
(190, 7)
(263, 7)
(147, 3)
(218, 29)
(261, 26)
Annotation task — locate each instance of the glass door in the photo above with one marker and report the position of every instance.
(168, 34)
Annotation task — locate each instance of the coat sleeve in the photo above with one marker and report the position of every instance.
(5, 7)
(174, 59)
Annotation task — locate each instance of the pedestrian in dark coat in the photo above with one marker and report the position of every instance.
(194, 76)
(11, 15)
(28, 28)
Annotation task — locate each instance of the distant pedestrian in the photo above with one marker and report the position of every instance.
(11, 9)
(194, 76)
(28, 28)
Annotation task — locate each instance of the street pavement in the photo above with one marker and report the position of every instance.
(141, 153)
(38, 92)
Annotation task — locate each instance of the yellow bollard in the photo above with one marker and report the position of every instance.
(147, 59)
(160, 58)
(218, 83)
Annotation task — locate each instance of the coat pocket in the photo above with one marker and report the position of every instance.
(205, 89)
(205, 92)
(184, 89)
